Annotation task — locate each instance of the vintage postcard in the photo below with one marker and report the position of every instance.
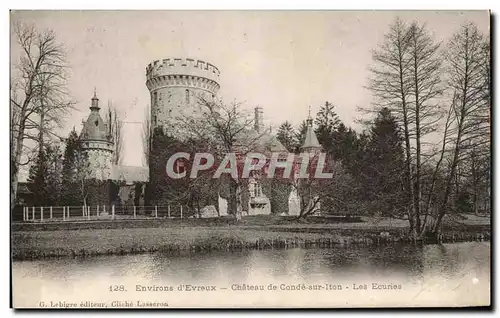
(250, 159)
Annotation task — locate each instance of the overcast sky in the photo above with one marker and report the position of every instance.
(283, 61)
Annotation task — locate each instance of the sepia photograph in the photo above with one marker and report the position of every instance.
(250, 159)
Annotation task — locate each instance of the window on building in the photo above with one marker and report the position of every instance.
(155, 98)
(256, 190)
(187, 96)
(154, 120)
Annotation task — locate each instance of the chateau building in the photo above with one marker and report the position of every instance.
(176, 86)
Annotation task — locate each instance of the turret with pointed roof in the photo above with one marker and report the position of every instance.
(97, 143)
(311, 143)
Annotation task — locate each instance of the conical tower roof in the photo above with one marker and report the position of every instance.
(95, 128)
(311, 142)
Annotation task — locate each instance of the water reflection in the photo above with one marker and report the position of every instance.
(455, 270)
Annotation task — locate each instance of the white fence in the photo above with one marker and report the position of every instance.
(82, 213)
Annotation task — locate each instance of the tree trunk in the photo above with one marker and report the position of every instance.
(14, 178)
(233, 199)
(418, 193)
(409, 177)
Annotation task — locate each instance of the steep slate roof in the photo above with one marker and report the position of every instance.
(311, 141)
(95, 128)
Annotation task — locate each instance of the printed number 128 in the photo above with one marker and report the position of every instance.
(116, 288)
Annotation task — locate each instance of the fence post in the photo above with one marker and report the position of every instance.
(67, 213)
(83, 210)
(113, 212)
(64, 213)
(24, 213)
(168, 209)
(134, 212)
(156, 211)
(104, 209)
(88, 212)
(51, 213)
(97, 211)
(181, 211)
(41, 214)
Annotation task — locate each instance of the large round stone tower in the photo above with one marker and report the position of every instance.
(175, 85)
(97, 143)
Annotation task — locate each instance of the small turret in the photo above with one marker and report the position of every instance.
(311, 143)
(97, 143)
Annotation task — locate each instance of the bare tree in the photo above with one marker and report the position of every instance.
(406, 79)
(146, 136)
(425, 88)
(323, 194)
(115, 124)
(223, 129)
(467, 82)
(390, 86)
(38, 93)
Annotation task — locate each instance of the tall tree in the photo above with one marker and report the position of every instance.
(390, 86)
(70, 189)
(407, 80)
(146, 136)
(384, 167)
(115, 126)
(469, 108)
(425, 82)
(38, 92)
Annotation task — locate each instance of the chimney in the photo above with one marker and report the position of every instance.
(259, 120)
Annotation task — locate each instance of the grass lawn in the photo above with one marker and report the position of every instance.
(35, 244)
(31, 241)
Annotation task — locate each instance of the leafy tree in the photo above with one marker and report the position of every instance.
(286, 135)
(326, 122)
(300, 135)
(44, 178)
(384, 167)
(70, 191)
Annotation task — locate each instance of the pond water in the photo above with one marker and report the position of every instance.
(433, 275)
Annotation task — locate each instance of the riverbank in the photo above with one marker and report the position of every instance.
(35, 241)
